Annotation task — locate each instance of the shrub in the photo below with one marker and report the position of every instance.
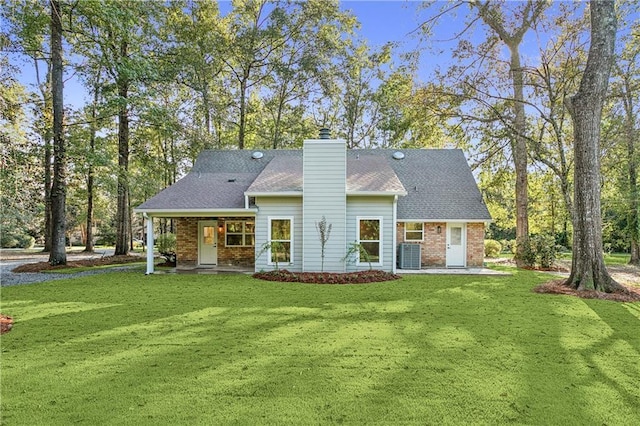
(508, 246)
(166, 244)
(106, 235)
(10, 240)
(546, 250)
(540, 250)
(26, 241)
(492, 248)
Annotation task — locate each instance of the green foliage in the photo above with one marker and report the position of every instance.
(541, 250)
(166, 244)
(492, 248)
(106, 234)
(138, 348)
(356, 252)
(16, 240)
(274, 249)
(508, 246)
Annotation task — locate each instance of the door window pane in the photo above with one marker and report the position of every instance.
(456, 236)
(207, 234)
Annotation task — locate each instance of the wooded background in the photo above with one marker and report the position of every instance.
(169, 79)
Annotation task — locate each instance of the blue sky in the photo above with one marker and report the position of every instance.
(381, 22)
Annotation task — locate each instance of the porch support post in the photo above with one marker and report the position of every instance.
(150, 240)
(394, 243)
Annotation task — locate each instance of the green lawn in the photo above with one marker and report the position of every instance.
(124, 348)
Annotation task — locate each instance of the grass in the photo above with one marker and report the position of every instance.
(123, 348)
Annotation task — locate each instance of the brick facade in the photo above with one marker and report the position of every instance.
(187, 244)
(475, 244)
(434, 244)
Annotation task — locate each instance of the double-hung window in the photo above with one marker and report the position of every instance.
(280, 240)
(370, 240)
(240, 233)
(414, 231)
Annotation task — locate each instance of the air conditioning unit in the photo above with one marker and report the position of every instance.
(409, 256)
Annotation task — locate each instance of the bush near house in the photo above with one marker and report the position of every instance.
(492, 248)
(166, 244)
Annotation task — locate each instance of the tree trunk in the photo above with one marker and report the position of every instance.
(588, 271)
(90, 173)
(243, 112)
(47, 136)
(491, 15)
(58, 254)
(47, 194)
(519, 149)
(634, 209)
(122, 214)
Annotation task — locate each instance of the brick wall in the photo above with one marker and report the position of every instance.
(434, 246)
(187, 244)
(187, 240)
(475, 244)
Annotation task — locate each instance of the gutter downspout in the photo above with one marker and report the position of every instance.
(150, 239)
(395, 234)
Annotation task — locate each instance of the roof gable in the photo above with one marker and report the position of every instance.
(438, 183)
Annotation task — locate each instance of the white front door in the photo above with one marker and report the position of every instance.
(207, 242)
(456, 243)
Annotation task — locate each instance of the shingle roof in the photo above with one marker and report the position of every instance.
(439, 183)
(282, 174)
(369, 174)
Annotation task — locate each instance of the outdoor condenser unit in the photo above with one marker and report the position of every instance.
(409, 256)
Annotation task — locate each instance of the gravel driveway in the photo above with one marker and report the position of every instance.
(9, 261)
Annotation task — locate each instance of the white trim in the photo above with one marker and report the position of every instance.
(380, 240)
(150, 240)
(394, 235)
(197, 212)
(274, 194)
(463, 242)
(291, 240)
(201, 225)
(243, 234)
(405, 232)
(375, 193)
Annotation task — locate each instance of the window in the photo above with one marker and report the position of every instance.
(414, 231)
(370, 239)
(280, 240)
(240, 233)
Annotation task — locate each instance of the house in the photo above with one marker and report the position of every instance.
(387, 208)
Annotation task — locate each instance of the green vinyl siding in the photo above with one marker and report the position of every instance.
(372, 207)
(278, 208)
(324, 189)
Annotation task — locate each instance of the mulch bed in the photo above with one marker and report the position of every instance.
(558, 287)
(102, 261)
(363, 277)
